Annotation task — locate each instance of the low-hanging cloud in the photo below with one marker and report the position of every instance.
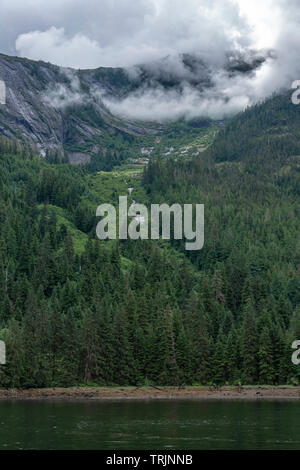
(224, 96)
(67, 94)
(160, 105)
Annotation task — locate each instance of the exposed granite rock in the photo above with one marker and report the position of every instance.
(55, 108)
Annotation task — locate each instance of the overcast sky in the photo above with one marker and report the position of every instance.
(90, 33)
(94, 33)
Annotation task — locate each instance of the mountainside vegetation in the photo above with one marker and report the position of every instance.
(74, 309)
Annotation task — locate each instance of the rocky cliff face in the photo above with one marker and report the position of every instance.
(61, 109)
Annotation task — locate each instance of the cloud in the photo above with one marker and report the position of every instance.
(63, 95)
(89, 34)
(86, 34)
(160, 105)
(53, 46)
(229, 93)
(226, 95)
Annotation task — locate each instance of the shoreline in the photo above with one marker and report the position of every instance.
(150, 393)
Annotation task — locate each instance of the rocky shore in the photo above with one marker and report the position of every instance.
(154, 393)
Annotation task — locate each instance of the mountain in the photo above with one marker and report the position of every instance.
(63, 111)
(174, 71)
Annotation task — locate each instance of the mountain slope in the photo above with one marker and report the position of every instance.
(61, 109)
(74, 309)
(269, 129)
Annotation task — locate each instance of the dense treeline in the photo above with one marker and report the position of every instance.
(268, 131)
(68, 319)
(145, 312)
(249, 183)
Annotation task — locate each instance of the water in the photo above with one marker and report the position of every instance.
(149, 425)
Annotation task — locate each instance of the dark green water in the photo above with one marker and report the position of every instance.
(149, 425)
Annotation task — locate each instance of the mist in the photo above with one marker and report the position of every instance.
(213, 92)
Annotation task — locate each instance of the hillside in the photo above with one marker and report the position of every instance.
(61, 110)
(64, 113)
(74, 309)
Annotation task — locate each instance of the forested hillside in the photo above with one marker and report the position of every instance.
(76, 310)
(250, 265)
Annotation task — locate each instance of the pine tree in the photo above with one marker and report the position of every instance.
(249, 337)
(265, 358)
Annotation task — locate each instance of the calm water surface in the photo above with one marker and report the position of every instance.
(149, 425)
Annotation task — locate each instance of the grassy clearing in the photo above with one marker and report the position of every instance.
(79, 238)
